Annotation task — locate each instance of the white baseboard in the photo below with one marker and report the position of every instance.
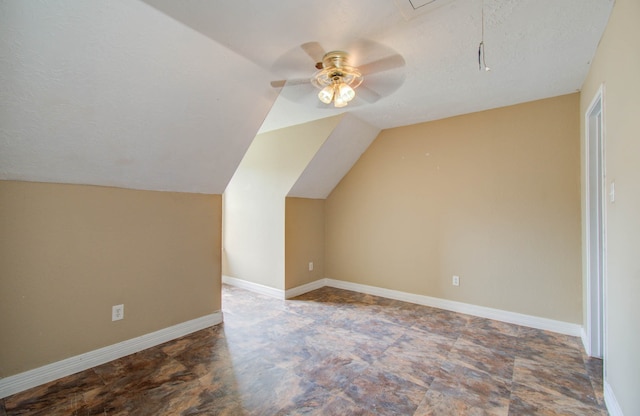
(253, 287)
(585, 341)
(50, 372)
(32, 378)
(273, 292)
(466, 308)
(610, 400)
(299, 290)
(450, 305)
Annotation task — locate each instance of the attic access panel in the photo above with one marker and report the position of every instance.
(414, 8)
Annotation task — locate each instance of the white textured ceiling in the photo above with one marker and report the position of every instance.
(168, 95)
(536, 49)
(116, 93)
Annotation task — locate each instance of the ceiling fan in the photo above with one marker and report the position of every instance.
(336, 78)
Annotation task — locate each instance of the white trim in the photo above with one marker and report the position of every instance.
(610, 400)
(253, 287)
(592, 348)
(299, 290)
(50, 372)
(585, 341)
(270, 291)
(561, 327)
(566, 328)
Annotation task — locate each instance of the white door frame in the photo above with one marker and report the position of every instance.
(595, 225)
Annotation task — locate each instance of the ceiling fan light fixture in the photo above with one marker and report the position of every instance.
(326, 94)
(336, 80)
(339, 102)
(345, 92)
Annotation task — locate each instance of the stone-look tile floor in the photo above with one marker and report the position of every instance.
(335, 352)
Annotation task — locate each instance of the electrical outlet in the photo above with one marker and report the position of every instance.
(310, 266)
(455, 281)
(117, 312)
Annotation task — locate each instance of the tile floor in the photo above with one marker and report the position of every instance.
(335, 352)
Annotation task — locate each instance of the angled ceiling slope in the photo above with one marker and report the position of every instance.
(119, 94)
(169, 97)
(536, 49)
(339, 152)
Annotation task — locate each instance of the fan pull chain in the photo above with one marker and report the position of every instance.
(481, 55)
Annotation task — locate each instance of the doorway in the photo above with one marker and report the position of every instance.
(595, 225)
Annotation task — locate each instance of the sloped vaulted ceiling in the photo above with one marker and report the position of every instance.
(334, 159)
(117, 93)
(536, 49)
(167, 95)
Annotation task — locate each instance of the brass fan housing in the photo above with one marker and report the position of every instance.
(337, 80)
(336, 68)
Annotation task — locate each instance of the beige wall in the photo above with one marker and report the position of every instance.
(304, 241)
(492, 197)
(617, 66)
(254, 201)
(70, 252)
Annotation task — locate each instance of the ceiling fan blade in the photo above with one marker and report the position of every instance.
(289, 82)
(367, 94)
(384, 64)
(314, 50)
